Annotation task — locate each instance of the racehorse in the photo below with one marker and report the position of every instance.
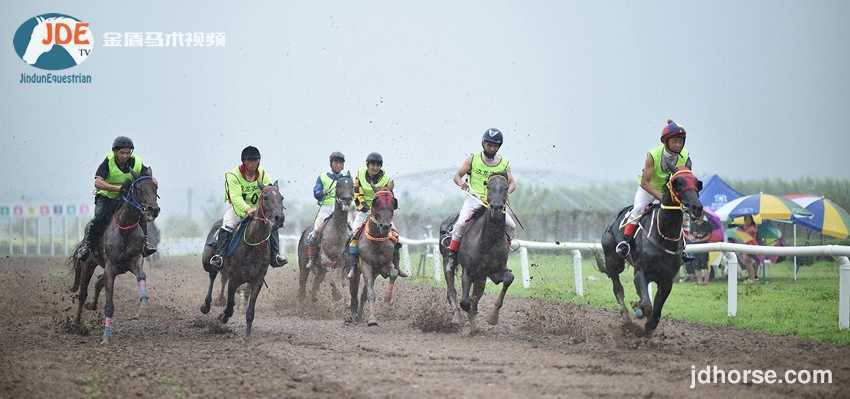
(250, 256)
(119, 248)
(483, 253)
(657, 252)
(333, 244)
(377, 248)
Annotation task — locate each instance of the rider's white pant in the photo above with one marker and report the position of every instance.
(469, 206)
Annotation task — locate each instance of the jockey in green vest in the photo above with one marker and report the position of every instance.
(477, 168)
(323, 192)
(243, 192)
(654, 177)
(110, 176)
(368, 181)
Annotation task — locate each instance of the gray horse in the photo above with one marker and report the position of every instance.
(251, 256)
(119, 249)
(483, 253)
(657, 254)
(333, 245)
(377, 249)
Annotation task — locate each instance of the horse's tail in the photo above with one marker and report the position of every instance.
(74, 264)
(600, 262)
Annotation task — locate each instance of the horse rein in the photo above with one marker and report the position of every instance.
(262, 218)
(132, 201)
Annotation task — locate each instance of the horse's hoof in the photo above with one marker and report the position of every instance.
(639, 313)
(205, 308)
(465, 306)
(143, 302)
(457, 318)
(143, 312)
(222, 318)
(388, 305)
(372, 322)
(90, 306)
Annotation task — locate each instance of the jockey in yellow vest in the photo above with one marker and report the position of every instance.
(369, 180)
(110, 176)
(323, 192)
(654, 177)
(477, 168)
(242, 191)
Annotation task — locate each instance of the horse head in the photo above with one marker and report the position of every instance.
(383, 207)
(140, 192)
(36, 46)
(271, 206)
(684, 189)
(344, 192)
(497, 194)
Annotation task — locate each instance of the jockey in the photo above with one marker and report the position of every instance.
(369, 180)
(242, 191)
(478, 167)
(654, 177)
(111, 174)
(323, 192)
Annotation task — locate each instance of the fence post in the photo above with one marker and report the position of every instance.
(523, 261)
(577, 272)
(405, 254)
(438, 266)
(843, 292)
(732, 283)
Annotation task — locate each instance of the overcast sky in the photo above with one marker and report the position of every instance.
(579, 88)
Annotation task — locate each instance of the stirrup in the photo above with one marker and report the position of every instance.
(148, 250)
(84, 253)
(216, 261)
(279, 260)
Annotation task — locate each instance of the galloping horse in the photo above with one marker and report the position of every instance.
(657, 252)
(119, 248)
(483, 253)
(376, 257)
(250, 259)
(333, 244)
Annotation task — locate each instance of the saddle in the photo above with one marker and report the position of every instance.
(475, 215)
(647, 210)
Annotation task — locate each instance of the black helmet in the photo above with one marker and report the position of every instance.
(122, 142)
(493, 135)
(336, 155)
(250, 152)
(375, 158)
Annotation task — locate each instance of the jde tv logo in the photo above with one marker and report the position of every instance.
(53, 41)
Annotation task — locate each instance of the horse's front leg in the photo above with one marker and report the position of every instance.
(644, 307)
(205, 308)
(472, 314)
(249, 314)
(465, 284)
(355, 305)
(320, 272)
(388, 296)
(506, 278)
(231, 302)
(141, 278)
(369, 291)
(109, 307)
(664, 289)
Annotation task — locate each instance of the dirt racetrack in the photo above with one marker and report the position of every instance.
(539, 349)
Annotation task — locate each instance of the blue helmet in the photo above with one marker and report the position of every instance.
(493, 135)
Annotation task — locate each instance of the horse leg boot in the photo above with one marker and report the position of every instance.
(625, 247)
(354, 250)
(312, 247)
(148, 249)
(221, 244)
(277, 259)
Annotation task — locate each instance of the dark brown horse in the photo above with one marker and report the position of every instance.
(250, 259)
(483, 253)
(376, 248)
(119, 248)
(657, 254)
(333, 244)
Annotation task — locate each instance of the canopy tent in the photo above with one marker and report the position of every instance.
(716, 193)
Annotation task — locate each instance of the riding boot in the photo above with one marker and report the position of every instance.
(91, 239)
(221, 244)
(312, 247)
(453, 248)
(148, 249)
(625, 247)
(277, 259)
(396, 261)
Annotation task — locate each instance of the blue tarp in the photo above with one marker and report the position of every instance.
(716, 193)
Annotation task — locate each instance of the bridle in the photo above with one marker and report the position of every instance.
(261, 210)
(133, 202)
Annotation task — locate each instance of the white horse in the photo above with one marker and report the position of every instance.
(36, 46)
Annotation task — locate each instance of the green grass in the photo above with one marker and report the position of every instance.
(806, 308)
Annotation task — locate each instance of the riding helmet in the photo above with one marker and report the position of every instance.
(336, 155)
(250, 152)
(374, 158)
(672, 130)
(493, 135)
(122, 142)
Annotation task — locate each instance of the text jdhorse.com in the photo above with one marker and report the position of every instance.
(713, 375)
